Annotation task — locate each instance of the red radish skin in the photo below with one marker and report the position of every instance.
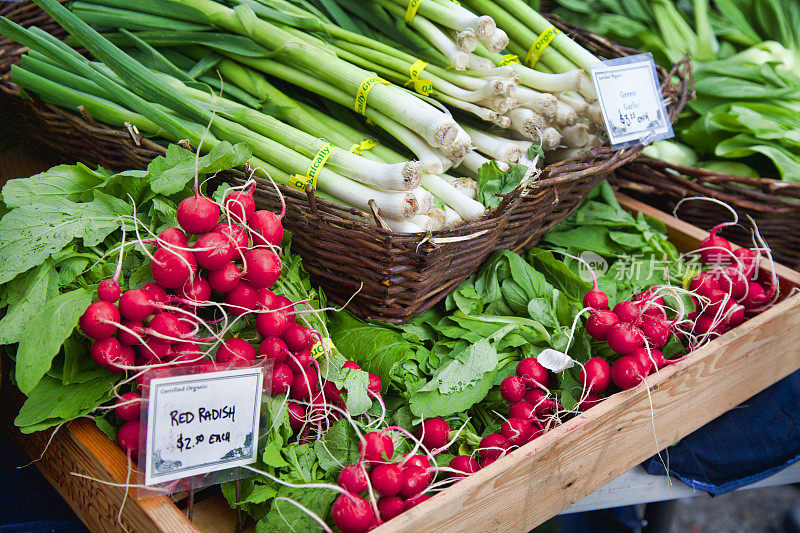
(543, 405)
(136, 305)
(512, 389)
(272, 323)
(129, 338)
(417, 460)
(532, 373)
(748, 259)
(186, 352)
(387, 479)
(656, 330)
(756, 296)
(591, 399)
(715, 250)
(595, 299)
(351, 364)
(628, 311)
(624, 338)
(273, 348)
(156, 293)
(413, 481)
(599, 323)
(173, 236)
(128, 406)
(240, 205)
(172, 268)
(596, 375)
(108, 290)
(650, 303)
(99, 320)
(237, 235)
(735, 314)
(297, 337)
(225, 278)
(262, 267)
(267, 228)
(522, 409)
(390, 506)
(196, 290)
(434, 433)
(517, 431)
(304, 384)
(128, 438)
(732, 282)
(648, 359)
(236, 351)
(241, 299)
(300, 361)
(266, 299)
(297, 415)
(285, 305)
(198, 214)
(155, 350)
(353, 479)
(704, 324)
(213, 251)
(376, 447)
(626, 373)
(717, 299)
(375, 384)
(108, 354)
(352, 514)
(493, 446)
(465, 465)
(703, 283)
(166, 324)
(418, 499)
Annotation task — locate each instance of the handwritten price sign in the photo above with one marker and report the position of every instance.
(201, 423)
(631, 101)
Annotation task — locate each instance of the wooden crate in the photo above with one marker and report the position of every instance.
(518, 491)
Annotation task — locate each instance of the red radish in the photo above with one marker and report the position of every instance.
(493, 446)
(155, 350)
(156, 292)
(241, 299)
(297, 415)
(375, 384)
(390, 506)
(213, 251)
(715, 249)
(267, 228)
(352, 514)
(225, 278)
(353, 479)
(417, 460)
(628, 311)
(532, 373)
(627, 372)
(131, 408)
(332, 392)
(599, 323)
(387, 478)
(128, 338)
(596, 375)
(107, 353)
(196, 290)
(262, 267)
(512, 389)
(166, 324)
(522, 409)
(656, 330)
(465, 465)
(186, 352)
(703, 283)
(108, 290)
(240, 205)
(434, 433)
(376, 447)
(624, 338)
(128, 438)
(172, 268)
(237, 235)
(735, 314)
(517, 431)
(136, 305)
(236, 350)
(143, 380)
(414, 480)
(300, 361)
(173, 236)
(705, 324)
(266, 299)
(756, 296)
(272, 323)
(207, 366)
(351, 364)
(418, 499)
(99, 320)
(543, 405)
(304, 384)
(273, 348)
(649, 360)
(717, 298)
(596, 299)
(748, 259)
(297, 337)
(198, 214)
(285, 305)
(591, 399)
(650, 303)
(732, 282)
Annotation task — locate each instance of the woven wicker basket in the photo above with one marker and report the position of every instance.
(774, 205)
(397, 276)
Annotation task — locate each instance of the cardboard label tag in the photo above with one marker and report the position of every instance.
(201, 423)
(631, 101)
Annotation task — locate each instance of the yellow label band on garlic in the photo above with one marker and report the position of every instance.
(362, 94)
(540, 45)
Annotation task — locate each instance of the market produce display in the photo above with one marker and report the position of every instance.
(745, 60)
